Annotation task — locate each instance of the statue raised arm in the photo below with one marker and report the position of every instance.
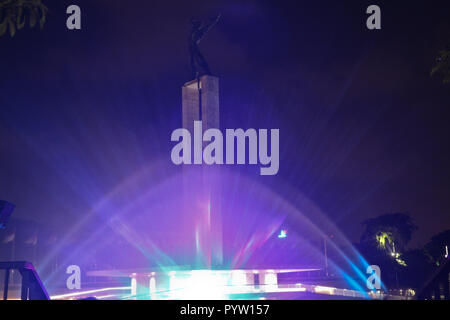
(199, 65)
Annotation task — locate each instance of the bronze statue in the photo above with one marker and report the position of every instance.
(198, 31)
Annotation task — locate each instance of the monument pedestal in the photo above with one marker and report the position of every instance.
(201, 183)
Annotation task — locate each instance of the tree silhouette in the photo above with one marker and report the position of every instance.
(435, 249)
(383, 241)
(390, 232)
(15, 13)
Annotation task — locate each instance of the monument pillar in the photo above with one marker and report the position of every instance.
(201, 183)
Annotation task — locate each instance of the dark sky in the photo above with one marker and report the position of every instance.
(363, 127)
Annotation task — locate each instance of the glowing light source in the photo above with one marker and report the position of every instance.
(152, 285)
(82, 293)
(324, 290)
(198, 284)
(283, 234)
(238, 278)
(270, 279)
(133, 286)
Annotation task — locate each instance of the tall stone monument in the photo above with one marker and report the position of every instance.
(200, 102)
(201, 184)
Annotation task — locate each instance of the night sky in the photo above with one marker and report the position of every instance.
(364, 129)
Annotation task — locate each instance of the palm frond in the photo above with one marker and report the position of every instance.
(15, 13)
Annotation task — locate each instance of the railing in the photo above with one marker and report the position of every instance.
(32, 287)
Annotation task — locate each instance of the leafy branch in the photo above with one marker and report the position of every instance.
(15, 13)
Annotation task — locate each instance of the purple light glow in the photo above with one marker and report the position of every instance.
(150, 225)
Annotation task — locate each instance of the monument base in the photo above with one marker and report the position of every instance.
(201, 184)
(203, 284)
